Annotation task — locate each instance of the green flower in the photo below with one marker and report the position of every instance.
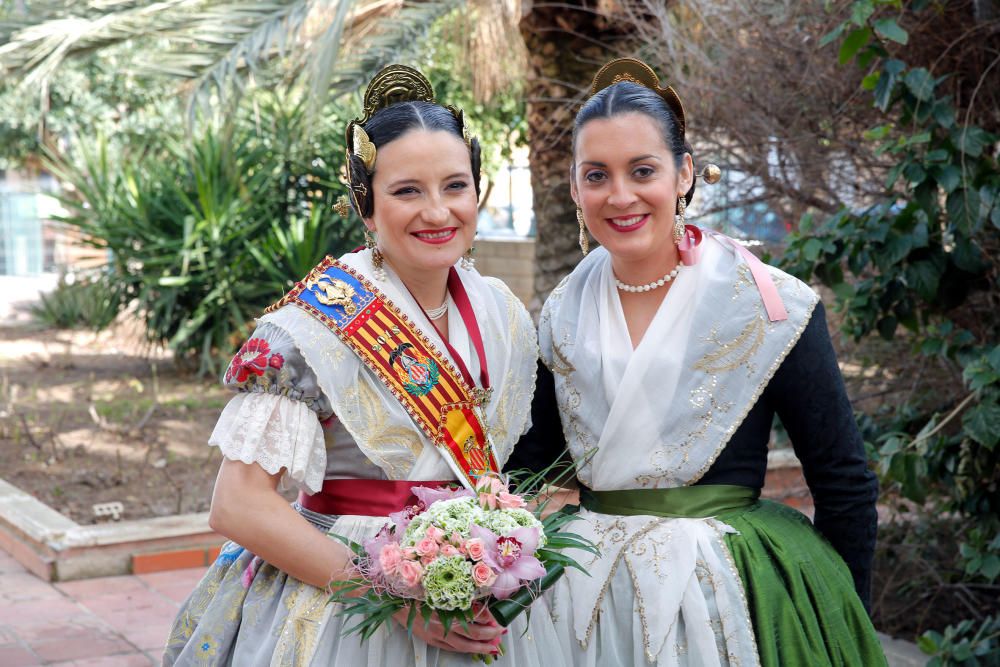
(448, 583)
(503, 522)
(452, 516)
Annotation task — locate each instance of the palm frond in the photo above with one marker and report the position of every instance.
(223, 45)
(398, 39)
(36, 51)
(220, 46)
(324, 57)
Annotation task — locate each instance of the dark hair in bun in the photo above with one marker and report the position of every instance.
(392, 122)
(627, 97)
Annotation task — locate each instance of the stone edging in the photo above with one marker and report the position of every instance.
(57, 548)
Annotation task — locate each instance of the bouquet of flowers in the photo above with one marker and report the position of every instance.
(451, 553)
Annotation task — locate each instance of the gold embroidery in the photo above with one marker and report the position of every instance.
(761, 385)
(379, 435)
(728, 356)
(621, 531)
(735, 575)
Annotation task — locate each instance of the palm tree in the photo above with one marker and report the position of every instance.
(568, 41)
(331, 46)
(218, 47)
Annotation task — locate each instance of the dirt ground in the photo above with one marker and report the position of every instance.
(94, 418)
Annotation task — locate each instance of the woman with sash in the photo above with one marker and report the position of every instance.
(667, 352)
(392, 367)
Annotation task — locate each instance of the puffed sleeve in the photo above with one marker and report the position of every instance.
(274, 420)
(808, 394)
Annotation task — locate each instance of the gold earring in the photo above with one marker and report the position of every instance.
(342, 207)
(679, 222)
(378, 261)
(584, 241)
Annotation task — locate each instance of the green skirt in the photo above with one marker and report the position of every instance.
(799, 591)
(800, 594)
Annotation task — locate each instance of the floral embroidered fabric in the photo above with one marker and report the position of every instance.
(275, 420)
(269, 362)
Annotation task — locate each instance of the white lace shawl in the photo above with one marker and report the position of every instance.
(278, 432)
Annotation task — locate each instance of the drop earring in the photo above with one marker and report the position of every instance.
(378, 261)
(468, 261)
(584, 241)
(679, 222)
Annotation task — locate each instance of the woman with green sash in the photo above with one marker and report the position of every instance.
(667, 352)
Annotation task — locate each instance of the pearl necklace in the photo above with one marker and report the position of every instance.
(438, 313)
(649, 286)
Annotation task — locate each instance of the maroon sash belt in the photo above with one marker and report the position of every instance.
(365, 497)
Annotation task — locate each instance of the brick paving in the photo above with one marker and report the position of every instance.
(105, 622)
(123, 621)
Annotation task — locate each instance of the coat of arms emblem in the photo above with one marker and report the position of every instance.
(417, 372)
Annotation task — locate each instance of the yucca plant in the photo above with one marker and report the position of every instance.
(88, 303)
(205, 234)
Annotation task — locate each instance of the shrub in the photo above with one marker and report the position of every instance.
(204, 234)
(88, 303)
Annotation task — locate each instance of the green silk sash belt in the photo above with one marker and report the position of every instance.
(692, 502)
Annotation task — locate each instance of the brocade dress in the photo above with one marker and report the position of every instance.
(306, 405)
(670, 440)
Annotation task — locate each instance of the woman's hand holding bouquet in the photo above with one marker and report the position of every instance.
(448, 558)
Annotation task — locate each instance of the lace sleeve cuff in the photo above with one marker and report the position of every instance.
(277, 433)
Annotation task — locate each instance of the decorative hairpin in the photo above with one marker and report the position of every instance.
(392, 85)
(342, 207)
(363, 147)
(711, 174)
(636, 71)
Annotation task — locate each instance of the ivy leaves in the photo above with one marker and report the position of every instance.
(915, 259)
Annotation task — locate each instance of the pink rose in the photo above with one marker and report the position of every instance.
(489, 485)
(435, 533)
(449, 550)
(488, 488)
(483, 574)
(410, 572)
(508, 500)
(428, 546)
(409, 553)
(390, 557)
(456, 539)
(475, 548)
(428, 559)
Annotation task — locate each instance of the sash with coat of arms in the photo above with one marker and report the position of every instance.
(426, 383)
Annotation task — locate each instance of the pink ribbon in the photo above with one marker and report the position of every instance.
(690, 252)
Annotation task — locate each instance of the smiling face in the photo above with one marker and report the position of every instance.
(425, 202)
(626, 182)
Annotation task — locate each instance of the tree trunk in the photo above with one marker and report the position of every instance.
(566, 46)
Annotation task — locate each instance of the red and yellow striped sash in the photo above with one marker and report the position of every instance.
(425, 382)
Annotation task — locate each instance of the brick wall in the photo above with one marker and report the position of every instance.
(512, 261)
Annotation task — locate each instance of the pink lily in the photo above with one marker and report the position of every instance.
(511, 557)
(428, 496)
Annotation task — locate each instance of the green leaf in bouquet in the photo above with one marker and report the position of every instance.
(557, 520)
(426, 613)
(463, 620)
(562, 541)
(559, 559)
(410, 617)
(445, 617)
(358, 549)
